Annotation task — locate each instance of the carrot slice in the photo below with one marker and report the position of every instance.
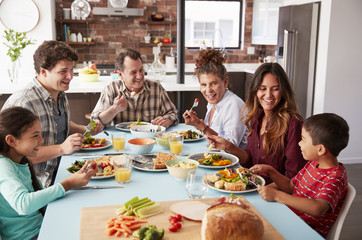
(134, 227)
(126, 228)
(119, 233)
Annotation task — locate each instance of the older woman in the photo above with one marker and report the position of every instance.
(222, 104)
(273, 122)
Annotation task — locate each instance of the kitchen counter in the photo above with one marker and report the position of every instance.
(191, 83)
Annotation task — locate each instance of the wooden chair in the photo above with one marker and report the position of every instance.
(335, 230)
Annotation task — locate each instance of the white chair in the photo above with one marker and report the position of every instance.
(335, 230)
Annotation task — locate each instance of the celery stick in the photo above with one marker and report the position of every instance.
(139, 203)
(120, 210)
(133, 200)
(149, 210)
(135, 211)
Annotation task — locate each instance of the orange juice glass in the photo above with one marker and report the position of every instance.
(123, 172)
(176, 144)
(118, 141)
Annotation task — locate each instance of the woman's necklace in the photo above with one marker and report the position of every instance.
(264, 125)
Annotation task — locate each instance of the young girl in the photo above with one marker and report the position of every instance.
(22, 197)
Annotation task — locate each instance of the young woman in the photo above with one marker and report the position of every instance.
(22, 197)
(273, 122)
(222, 104)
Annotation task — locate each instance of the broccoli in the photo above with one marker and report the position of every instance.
(149, 233)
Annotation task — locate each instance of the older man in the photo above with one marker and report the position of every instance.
(45, 97)
(134, 97)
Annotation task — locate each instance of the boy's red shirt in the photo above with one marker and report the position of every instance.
(328, 184)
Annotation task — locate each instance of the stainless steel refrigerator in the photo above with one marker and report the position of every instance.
(297, 47)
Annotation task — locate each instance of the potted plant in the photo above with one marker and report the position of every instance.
(15, 42)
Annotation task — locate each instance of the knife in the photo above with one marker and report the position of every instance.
(96, 187)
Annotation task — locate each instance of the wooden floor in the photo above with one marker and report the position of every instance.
(352, 228)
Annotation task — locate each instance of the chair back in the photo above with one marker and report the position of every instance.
(335, 230)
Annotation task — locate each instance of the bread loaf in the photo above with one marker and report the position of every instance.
(231, 221)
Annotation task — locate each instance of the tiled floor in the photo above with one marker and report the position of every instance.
(352, 228)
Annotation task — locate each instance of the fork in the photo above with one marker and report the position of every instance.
(88, 128)
(196, 103)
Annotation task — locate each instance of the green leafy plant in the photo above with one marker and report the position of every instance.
(15, 42)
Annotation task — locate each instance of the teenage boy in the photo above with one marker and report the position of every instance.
(45, 97)
(317, 192)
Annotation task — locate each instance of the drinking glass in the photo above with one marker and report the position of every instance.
(176, 143)
(118, 141)
(123, 172)
(196, 185)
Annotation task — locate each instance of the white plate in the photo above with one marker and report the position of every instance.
(148, 163)
(107, 144)
(123, 125)
(202, 136)
(211, 185)
(234, 159)
(102, 177)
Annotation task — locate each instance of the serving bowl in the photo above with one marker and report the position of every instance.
(147, 131)
(141, 145)
(180, 173)
(162, 139)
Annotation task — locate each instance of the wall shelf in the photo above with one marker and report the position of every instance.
(165, 22)
(80, 43)
(90, 20)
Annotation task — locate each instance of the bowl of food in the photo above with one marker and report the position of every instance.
(157, 17)
(141, 145)
(146, 131)
(179, 168)
(162, 139)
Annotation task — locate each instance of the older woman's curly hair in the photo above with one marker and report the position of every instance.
(210, 61)
(282, 113)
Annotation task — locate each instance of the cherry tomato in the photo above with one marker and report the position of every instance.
(172, 228)
(178, 225)
(173, 221)
(170, 218)
(178, 217)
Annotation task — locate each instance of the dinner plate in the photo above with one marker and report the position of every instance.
(103, 177)
(211, 185)
(234, 159)
(107, 144)
(202, 136)
(123, 125)
(144, 162)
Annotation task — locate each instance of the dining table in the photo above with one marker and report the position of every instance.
(62, 216)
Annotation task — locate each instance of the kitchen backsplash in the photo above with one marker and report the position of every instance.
(112, 33)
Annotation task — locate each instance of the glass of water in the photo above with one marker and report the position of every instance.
(196, 185)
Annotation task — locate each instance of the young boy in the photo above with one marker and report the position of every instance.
(317, 192)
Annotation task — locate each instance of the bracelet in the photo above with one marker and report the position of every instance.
(205, 129)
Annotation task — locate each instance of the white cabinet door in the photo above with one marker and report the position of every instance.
(265, 21)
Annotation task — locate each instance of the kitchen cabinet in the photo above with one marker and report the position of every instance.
(265, 21)
(69, 23)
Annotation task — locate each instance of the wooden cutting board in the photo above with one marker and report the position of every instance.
(93, 223)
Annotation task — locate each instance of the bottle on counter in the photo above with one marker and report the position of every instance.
(157, 70)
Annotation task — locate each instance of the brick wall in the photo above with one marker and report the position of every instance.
(112, 33)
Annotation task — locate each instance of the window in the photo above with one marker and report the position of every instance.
(218, 23)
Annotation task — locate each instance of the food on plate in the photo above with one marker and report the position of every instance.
(182, 164)
(89, 73)
(123, 225)
(213, 160)
(229, 179)
(190, 135)
(149, 232)
(161, 159)
(93, 142)
(142, 208)
(76, 166)
(229, 220)
(105, 167)
(193, 210)
(136, 124)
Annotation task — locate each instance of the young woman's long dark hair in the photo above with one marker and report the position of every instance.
(15, 121)
(282, 113)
